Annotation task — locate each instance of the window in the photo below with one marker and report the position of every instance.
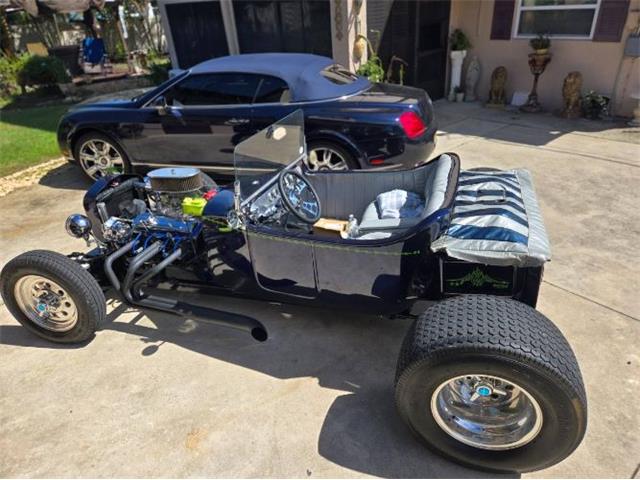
(272, 90)
(557, 18)
(214, 89)
(338, 74)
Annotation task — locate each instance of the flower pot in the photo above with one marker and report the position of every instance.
(460, 97)
(541, 51)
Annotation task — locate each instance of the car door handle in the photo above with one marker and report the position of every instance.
(237, 121)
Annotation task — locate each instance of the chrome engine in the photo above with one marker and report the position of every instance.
(168, 187)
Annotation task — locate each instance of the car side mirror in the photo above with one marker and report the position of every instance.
(161, 105)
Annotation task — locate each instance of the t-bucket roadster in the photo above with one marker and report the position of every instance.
(482, 377)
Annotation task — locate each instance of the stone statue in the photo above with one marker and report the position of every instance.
(471, 79)
(571, 95)
(497, 94)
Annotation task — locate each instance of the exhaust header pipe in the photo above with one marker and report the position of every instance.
(132, 293)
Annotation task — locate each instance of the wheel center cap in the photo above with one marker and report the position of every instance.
(484, 390)
(104, 161)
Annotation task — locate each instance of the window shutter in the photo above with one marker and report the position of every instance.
(611, 20)
(502, 19)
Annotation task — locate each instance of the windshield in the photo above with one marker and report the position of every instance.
(263, 155)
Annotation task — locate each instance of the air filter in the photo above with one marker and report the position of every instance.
(182, 180)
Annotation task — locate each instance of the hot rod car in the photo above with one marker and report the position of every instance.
(482, 377)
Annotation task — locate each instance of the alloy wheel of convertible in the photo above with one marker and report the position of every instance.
(99, 156)
(325, 157)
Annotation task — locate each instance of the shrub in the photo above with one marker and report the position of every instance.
(9, 68)
(38, 70)
(159, 72)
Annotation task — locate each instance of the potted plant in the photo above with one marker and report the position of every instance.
(459, 91)
(459, 43)
(540, 44)
(594, 105)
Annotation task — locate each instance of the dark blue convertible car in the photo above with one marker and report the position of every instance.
(197, 118)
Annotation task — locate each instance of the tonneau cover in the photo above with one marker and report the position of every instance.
(495, 221)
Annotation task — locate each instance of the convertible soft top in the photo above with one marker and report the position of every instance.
(301, 71)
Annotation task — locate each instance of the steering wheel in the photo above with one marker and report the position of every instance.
(299, 196)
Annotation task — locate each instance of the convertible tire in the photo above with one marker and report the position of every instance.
(99, 155)
(491, 383)
(329, 156)
(53, 296)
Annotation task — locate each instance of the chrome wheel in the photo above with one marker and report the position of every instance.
(99, 158)
(325, 158)
(486, 412)
(46, 303)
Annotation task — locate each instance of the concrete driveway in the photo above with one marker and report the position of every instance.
(153, 395)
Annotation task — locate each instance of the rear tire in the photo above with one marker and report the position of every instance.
(53, 296)
(340, 159)
(474, 346)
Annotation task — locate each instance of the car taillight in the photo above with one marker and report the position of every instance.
(412, 125)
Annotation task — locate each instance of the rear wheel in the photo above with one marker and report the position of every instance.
(98, 155)
(53, 296)
(491, 383)
(328, 156)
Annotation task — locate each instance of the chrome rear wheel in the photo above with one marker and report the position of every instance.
(486, 412)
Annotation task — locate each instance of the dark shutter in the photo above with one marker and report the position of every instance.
(502, 19)
(611, 20)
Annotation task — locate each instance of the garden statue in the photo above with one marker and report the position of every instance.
(571, 95)
(471, 79)
(497, 94)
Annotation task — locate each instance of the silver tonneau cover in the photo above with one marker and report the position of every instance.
(495, 221)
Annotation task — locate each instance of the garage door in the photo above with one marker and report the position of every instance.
(283, 26)
(197, 30)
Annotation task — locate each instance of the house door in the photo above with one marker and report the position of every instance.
(417, 32)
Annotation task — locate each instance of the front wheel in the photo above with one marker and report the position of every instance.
(53, 296)
(491, 383)
(98, 155)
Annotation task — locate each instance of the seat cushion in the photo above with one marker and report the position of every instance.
(371, 220)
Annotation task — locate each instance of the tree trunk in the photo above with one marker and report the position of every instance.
(6, 41)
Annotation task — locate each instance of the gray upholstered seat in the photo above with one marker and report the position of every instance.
(434, 189)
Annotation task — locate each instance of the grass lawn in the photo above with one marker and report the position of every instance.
(28, 137)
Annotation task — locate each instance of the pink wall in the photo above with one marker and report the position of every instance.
(603, 67)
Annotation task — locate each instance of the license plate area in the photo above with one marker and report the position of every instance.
(476, 278)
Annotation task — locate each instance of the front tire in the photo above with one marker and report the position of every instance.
(53, 296)
(99, 155)
(491, 383)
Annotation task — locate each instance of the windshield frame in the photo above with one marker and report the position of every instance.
(260, 158)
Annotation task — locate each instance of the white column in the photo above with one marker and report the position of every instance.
(343, 30)
(457, 56)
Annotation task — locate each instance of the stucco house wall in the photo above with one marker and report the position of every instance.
(602, 64)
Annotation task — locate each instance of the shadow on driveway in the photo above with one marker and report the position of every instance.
(352, 353)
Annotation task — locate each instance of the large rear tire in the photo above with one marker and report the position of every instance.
(491, 383)
(53, 296)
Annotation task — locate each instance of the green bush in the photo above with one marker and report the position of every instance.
(38, 70)
(159, 72)
(9, 68)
